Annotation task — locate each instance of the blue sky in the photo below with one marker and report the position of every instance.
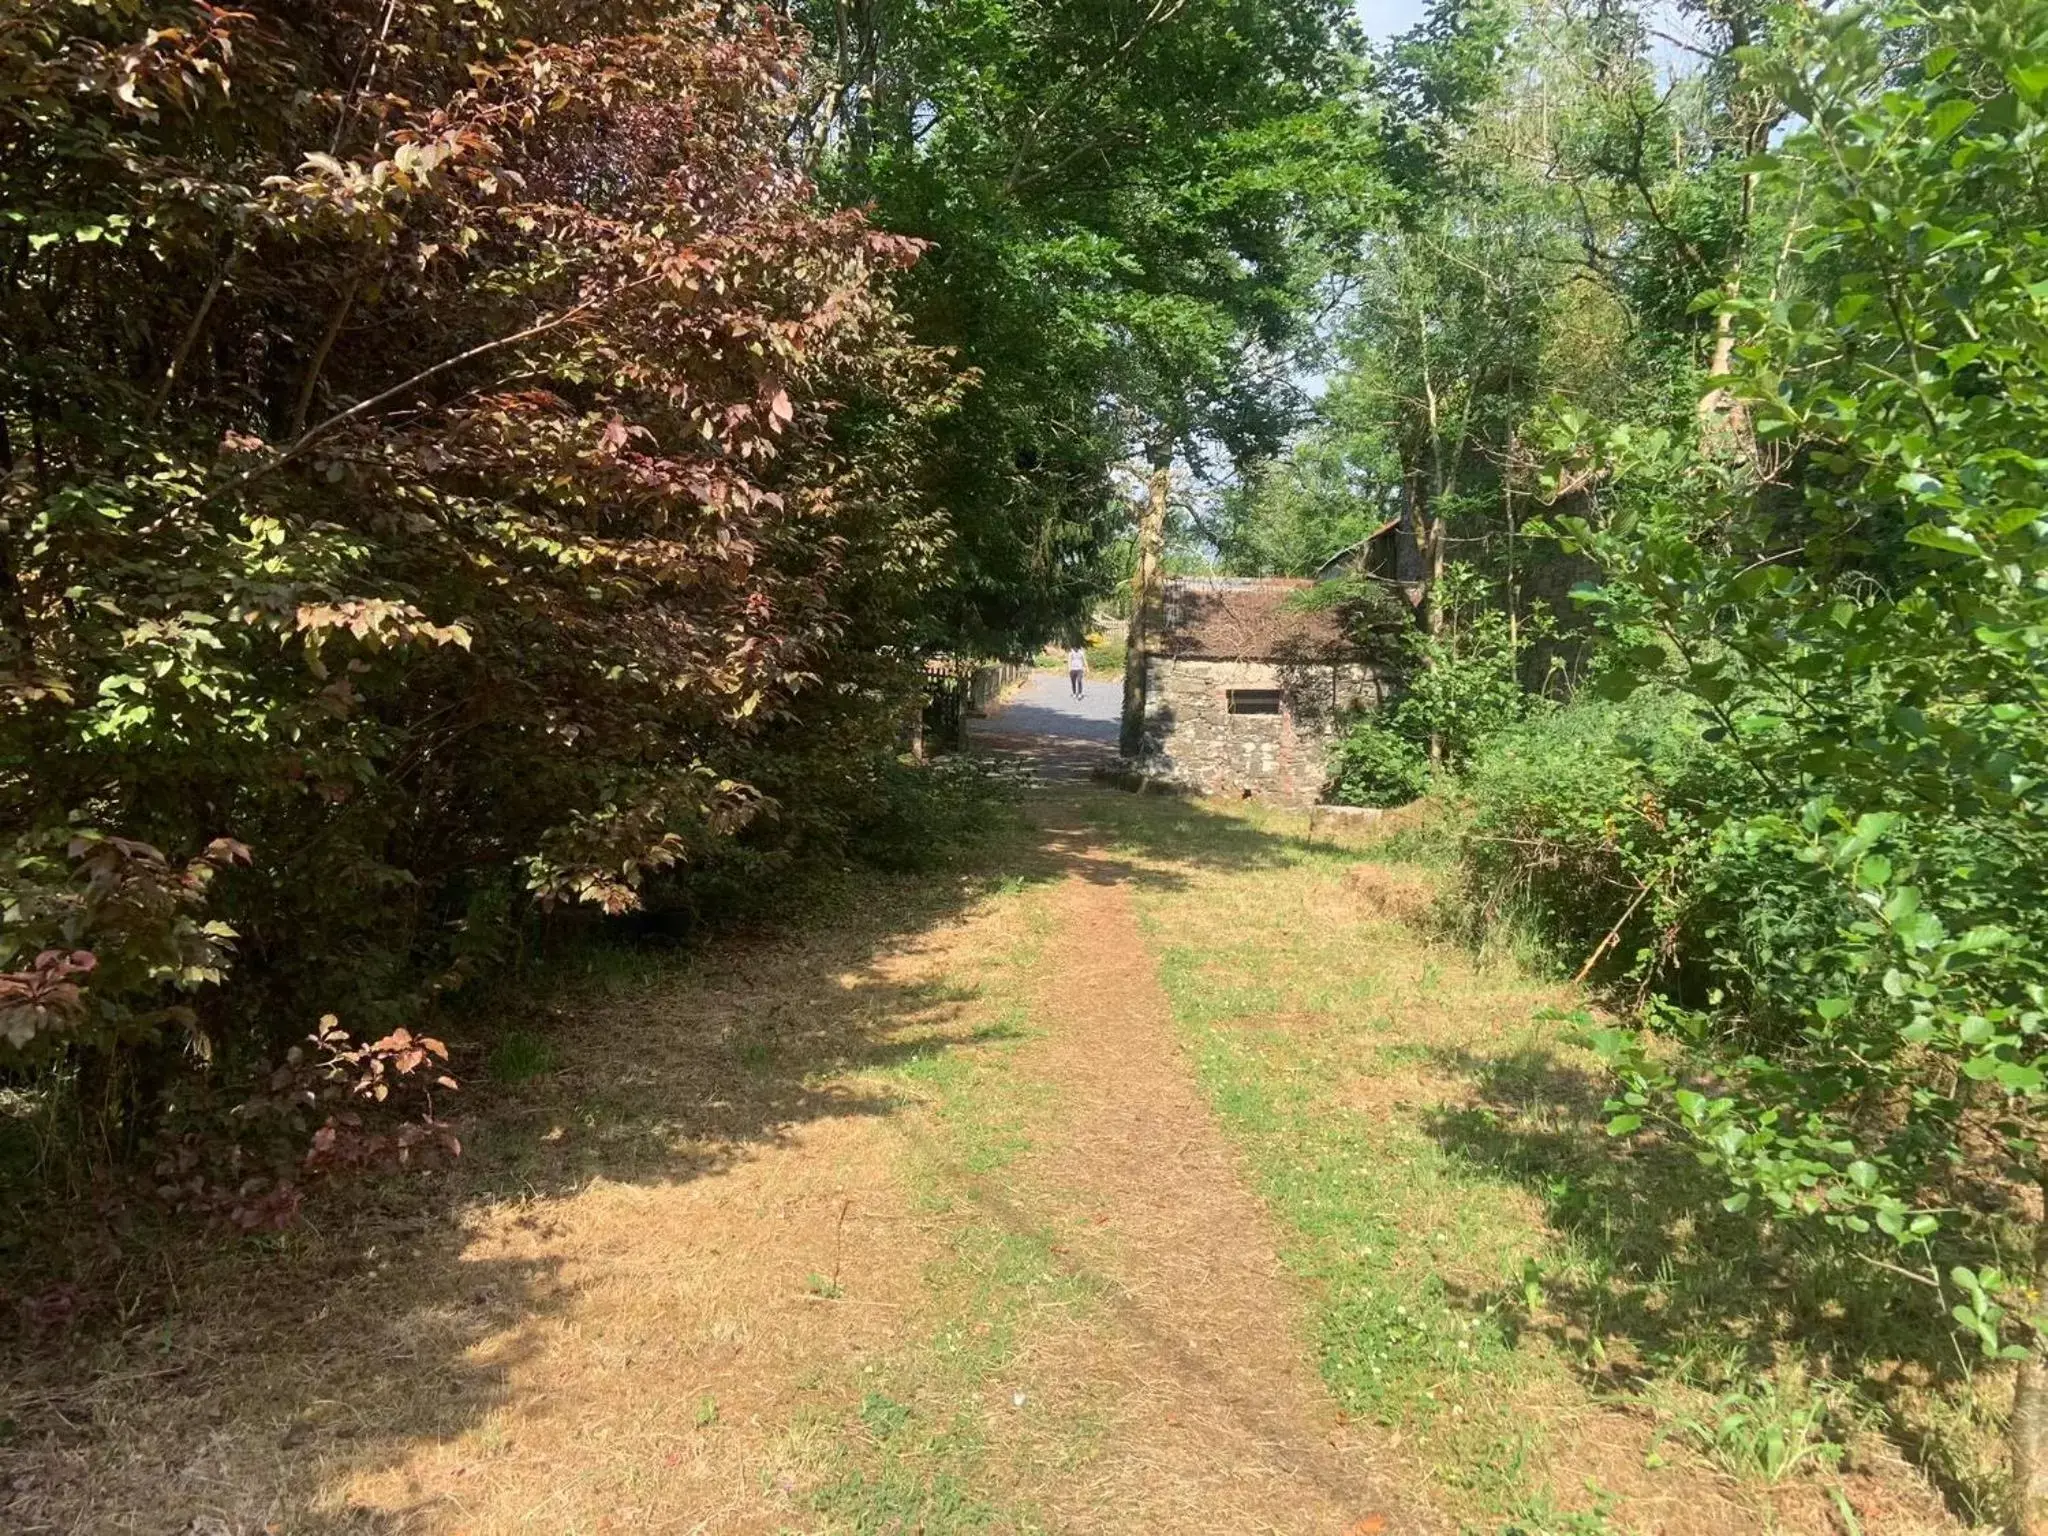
(1384, 18)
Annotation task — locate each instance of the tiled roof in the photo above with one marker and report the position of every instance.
(1254, 619)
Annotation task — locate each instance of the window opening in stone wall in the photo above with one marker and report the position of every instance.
(1253, 701)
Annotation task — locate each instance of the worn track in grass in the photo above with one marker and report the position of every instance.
(680, 1276)
(1199, 1357)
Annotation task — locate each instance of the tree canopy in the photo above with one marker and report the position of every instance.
(1134, 211)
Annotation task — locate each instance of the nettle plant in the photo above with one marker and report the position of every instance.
(1847, 570)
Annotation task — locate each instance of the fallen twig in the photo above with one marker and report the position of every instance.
(1613, 934)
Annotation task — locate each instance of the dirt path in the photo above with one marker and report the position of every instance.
(1200, 1359)
(956, 1209)
(731, 1353)
(919, 1222)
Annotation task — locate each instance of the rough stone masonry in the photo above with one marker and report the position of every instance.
(1247, 689)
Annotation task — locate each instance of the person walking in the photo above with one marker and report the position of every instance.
(1077, 668)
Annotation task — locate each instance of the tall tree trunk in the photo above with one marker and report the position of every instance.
(1724, 420)
(1147, 603)
(1433, 616)
(2027, 1439)
(1433, 612)
(1725, 430)
(1411, 563)
(1507, 516)
(1423, 558)
(2027, 1430)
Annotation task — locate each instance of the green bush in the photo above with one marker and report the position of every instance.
(1459, 689)
(915, 816)
(1375, 764)
(1462, 689)
(1106, 659)
(1561, 832)
(1614, 830)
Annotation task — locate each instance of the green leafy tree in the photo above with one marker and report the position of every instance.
(1505, 269)
(1133, 205)
(1458, 688)
(1330, 490)
(1857, 597)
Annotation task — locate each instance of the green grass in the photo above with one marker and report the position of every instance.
(520, 1056)
(1397, 1341)
(898, 1498)
(910, 1443)
(1487, 1268)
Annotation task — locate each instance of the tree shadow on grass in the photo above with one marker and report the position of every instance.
(230, 1386)
(1662, 1282)
(1158, 841)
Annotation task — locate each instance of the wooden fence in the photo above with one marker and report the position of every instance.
(957, 691)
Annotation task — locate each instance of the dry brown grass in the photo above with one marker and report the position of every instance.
(774, 1199)
(1390, 893)
(604, 1320)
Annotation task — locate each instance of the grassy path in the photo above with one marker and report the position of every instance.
(1194, 1359)
(1155, 1172)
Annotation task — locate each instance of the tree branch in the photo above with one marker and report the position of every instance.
(298, 447)
(189, 340)
(304, 405)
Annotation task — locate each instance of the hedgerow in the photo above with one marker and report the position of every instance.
(452, 468)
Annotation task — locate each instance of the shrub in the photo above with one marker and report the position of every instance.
(1107, 657)
(1375, 764)
(1848, 570)
(915, 816)
(1613, 829)
(1462, 688)
(1458, 688)
(484, 512)
(1573, 815)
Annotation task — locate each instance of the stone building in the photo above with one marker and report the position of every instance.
(1245, 689)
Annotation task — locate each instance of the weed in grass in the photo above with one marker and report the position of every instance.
(822, 1287)
(1765, 1429)
(1542, 1517)
(883, 1415)
(899, 1499)
(520, 1056)
(1532, 1286)
(707, 1412)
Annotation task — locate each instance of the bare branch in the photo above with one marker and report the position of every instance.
(307, 439)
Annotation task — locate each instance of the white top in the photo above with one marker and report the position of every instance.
(1077, 660)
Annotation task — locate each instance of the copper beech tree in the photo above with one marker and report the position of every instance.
(449, 459)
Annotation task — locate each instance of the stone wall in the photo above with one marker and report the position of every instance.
(1192, 739)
